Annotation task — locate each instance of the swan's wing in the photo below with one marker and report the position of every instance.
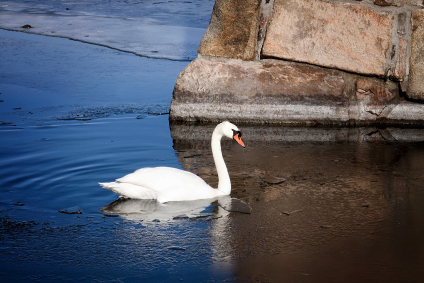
(170, 184)
(130, 190)
(163, 178)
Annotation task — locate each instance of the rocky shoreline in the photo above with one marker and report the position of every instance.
(307, 63)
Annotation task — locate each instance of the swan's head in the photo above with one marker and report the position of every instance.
(231, 131)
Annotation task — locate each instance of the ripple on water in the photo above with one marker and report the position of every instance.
(95, 112)
(78, 155)
(63, 173)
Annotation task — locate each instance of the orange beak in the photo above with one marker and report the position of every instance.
(238, 139)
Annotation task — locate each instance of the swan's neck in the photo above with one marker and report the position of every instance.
(224, 183)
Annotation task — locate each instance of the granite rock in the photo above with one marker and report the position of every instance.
(268, 91)
(267, 81)
(416, 61)
(399, 72)
(233, 29)
(276, 92)
(355, 40)
(373, 100)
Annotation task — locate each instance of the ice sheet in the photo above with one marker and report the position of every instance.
(54, 78)
(169, 30)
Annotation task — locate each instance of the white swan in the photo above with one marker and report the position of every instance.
(169, 184)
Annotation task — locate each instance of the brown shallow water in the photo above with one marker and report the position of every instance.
(350, 209)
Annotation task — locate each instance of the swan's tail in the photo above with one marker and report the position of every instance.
(130, 190)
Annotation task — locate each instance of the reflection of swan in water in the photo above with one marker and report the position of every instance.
(167, 184)
(148, 209)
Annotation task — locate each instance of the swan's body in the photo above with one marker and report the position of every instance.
(169, 184)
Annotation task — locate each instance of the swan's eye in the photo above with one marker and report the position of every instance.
(236, 132)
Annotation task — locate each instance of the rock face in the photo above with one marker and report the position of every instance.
(398, 3)
(399, 71)
(271, 91)
(232, 30)
(260, 92)
(416, 76)
(266, 82)
(355, 40)
(373, 100)
(307, 62)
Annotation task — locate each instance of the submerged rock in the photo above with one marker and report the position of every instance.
(71, 210)
(235, 205)
(182, 216)
(176, 248)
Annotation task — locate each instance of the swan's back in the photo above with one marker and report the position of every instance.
(164, 184)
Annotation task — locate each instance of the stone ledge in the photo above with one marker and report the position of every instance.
(275, 92)
(293, 114)
(404, 113)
